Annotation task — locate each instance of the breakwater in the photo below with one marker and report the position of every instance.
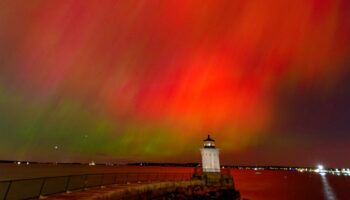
(148, 191)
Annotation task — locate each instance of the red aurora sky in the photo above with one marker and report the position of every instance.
(148, 80)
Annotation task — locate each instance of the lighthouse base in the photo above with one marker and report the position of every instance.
(212, 178)
(218, 179)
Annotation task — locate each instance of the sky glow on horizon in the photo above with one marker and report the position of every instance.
(148, 80)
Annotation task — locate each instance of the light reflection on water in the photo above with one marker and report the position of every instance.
(327, 189)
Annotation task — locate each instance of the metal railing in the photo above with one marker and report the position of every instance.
(44, 186)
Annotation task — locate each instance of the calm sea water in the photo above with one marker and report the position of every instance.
(265, 185)
(290, 185)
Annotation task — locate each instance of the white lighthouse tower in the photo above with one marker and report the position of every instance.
(210, 156)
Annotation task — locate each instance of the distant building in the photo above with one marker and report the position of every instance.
(210, 156)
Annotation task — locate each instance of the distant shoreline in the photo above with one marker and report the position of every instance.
(256, 167)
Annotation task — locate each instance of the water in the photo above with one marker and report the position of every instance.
(10, 171)
(265, 185)
(270, 185)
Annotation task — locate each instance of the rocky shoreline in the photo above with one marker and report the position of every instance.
(200, 192)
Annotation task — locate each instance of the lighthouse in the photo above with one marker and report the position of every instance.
(211, 167)
(210, 156)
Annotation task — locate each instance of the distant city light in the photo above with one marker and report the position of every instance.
(320, 167)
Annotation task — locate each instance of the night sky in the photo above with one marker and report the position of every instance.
(135, 80)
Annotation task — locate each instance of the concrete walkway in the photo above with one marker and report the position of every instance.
(121, 191)
(91, 193)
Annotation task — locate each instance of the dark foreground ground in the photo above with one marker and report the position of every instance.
(201, 193)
